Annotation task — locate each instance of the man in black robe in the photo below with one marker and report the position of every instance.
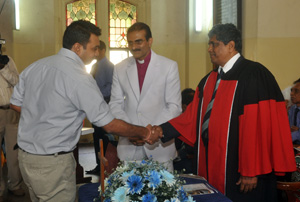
(237, 123)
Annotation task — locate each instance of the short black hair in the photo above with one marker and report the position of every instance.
(79, 32)
(102, 45)
(187, 96)
(138, 26)
(226, 33)
(297, 81)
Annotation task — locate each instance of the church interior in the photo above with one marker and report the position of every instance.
(270, 33)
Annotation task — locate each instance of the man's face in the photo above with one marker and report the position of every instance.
(101, 54)
(219, 52)
(91, 51)
(295, 94)
(138, 45)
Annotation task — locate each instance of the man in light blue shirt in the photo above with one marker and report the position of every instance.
(54, 96)
(294, 114)
(102, 72)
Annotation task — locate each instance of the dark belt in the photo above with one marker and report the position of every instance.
(55, 154)
(5, 107)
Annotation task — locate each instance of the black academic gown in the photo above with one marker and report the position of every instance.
(248, 131)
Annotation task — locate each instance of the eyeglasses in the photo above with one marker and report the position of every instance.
(136, 42)
(214, 44)
(295, 90)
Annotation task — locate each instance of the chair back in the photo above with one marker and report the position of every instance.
(111, 154)
(292, 190)
(103, 164)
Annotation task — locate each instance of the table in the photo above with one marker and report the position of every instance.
(87, 192)
(215, 197)
(79, 169)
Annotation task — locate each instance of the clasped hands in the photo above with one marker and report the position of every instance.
(153, 135)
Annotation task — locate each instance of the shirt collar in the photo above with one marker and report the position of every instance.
(72, 55)
(230, 63)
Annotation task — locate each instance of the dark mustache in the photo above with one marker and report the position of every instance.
(136, 50)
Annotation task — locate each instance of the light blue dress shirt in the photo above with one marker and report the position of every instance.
(295, 134)
(56, 94)
(103, 76)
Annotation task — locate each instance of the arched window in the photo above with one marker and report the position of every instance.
(81, 10)
(121, 16)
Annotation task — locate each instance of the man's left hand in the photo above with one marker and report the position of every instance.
(136, 141)
(247, 184)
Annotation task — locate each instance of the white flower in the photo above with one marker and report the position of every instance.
(143, 182)
(168, 177)
(190, 199)
(105, 184)
(123, 168)
(120, 195)
(126, 175)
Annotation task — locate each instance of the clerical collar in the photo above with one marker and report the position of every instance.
(146, 59)
(230, 63)
(141, 61)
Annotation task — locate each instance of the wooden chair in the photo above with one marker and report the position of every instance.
(292, 190)
(112, 155)
(103, 164)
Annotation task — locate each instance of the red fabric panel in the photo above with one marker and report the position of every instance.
(186, 123)
(219, 124)
(207, 94)
(265, 139)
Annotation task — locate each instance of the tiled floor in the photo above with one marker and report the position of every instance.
(86, 160)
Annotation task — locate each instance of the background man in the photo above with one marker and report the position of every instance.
(238, 122)
(185, 152)
(146, 89)
(102, 72)
(9, 120)
(287, 97)
(294, 115)
(55, 94)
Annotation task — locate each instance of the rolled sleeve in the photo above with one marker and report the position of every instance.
(18, 93)
(89, 99)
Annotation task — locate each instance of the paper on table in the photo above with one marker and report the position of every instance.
(198, 189)
(192, 176)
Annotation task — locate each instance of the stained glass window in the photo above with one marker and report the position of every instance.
(121, 16)
(81, 10)
(228, 11)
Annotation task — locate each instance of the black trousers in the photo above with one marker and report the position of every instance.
(265, 191)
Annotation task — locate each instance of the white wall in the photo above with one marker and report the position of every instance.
(271, 34)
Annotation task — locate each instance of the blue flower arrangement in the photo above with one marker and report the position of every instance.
(147, 181)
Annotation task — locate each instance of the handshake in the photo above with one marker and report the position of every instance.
(154, 133)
